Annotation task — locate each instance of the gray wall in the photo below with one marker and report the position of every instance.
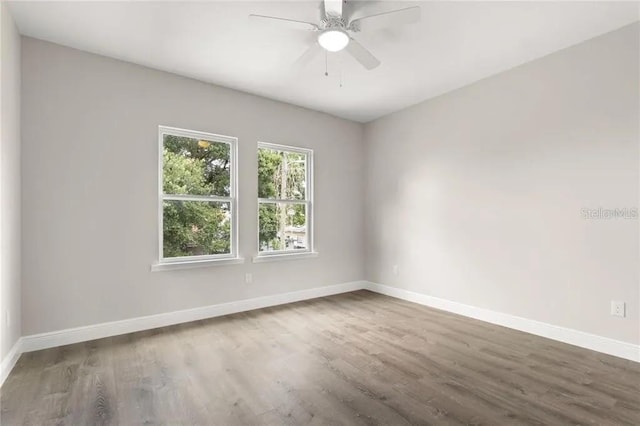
(477, 195)
(9, 184)
(90, 168)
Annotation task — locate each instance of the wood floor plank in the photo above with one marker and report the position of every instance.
(353, 359)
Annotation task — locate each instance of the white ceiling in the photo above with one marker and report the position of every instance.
(455, 44)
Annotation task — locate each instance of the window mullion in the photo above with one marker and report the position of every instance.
(185, 197)
(276, 200)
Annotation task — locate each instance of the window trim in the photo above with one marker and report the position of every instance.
(308, 200)
(232, 199)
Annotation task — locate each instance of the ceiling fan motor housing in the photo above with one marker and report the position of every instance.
(331, 22)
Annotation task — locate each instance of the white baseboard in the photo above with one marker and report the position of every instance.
(91, 332)
(573, 337)
(9, 361)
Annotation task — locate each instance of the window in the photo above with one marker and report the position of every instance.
(197, 208)
(285, 199)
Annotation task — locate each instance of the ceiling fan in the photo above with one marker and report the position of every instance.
(335, 28)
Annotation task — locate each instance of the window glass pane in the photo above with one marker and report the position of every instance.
(196, 166)
(282, 226)
(281, 174)
(196, 228)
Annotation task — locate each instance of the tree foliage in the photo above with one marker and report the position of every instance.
(193, 167)
(202, 168)
(209, 160)
(281, 175)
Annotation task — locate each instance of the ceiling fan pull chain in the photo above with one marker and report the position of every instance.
(326, 63)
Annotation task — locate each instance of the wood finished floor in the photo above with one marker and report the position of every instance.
(356, 358)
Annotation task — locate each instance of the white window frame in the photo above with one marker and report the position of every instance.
(232, 199)
(287, 254)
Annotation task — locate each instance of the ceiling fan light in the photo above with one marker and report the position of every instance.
(333, 40)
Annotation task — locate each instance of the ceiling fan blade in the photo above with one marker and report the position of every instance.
(333, 8)
(291, 23)
(309, 55)
(362, 55)
(389, 19)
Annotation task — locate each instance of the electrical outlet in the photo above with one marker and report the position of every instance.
(248, 278)
(396, 270)
(617, 308)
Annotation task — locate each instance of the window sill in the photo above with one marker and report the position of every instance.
(284, 256)
(190, 264)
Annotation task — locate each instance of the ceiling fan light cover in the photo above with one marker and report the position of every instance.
(333, 40)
